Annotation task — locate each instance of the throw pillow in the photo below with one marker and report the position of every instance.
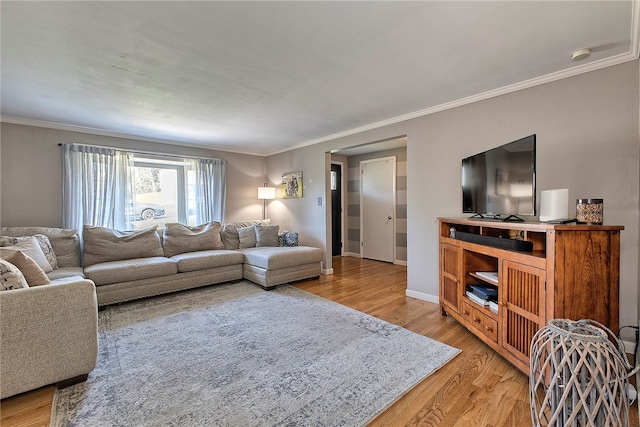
(247, 237)
(43, 241)
(30, 247)
(11, 277)
(230, 237)
(288, 238)
(31, 271)
(107, 244)
(266, 235)
(180, 238)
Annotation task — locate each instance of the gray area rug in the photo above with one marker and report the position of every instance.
(235, 355)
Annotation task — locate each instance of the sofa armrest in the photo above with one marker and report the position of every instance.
(48, 334)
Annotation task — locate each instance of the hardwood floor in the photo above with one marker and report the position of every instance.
(477, 388)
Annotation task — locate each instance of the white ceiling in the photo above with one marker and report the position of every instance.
(264, 77)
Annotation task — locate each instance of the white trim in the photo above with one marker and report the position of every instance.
(352, 254)
(632, 55)
(400, 262)
(635, 29)
(343, 210)
(422, 296)
(629, 347)
(537, 81)
(326, 271)
(101, 132)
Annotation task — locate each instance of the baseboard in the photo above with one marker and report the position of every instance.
(326, 271)
(629, 347)
(357, 255)
(353, 254)
(421, 295)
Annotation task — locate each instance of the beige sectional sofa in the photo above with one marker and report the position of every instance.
(49, 333)
(130, 265)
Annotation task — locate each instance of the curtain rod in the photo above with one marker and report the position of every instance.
(149, 153)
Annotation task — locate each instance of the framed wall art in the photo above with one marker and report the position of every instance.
(292, 185)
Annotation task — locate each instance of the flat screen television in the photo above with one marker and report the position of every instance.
(500, 183)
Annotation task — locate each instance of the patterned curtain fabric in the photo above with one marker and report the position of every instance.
(96, 187)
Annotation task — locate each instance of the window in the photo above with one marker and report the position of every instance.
(159, 193)
(123, 190)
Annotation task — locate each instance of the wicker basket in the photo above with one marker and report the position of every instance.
(578, 376)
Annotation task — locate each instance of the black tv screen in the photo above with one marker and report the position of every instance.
(501, 181)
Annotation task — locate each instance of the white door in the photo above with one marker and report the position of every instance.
(378, 208)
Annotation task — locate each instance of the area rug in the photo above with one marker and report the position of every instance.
(235, 355)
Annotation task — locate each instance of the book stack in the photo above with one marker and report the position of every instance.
(484, 295)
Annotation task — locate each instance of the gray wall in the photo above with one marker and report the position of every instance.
(31, 173)
(353, 201)
(588, 141)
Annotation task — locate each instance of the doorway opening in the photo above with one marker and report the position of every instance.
(337, 203)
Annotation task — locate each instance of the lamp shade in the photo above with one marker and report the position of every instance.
(266, 193)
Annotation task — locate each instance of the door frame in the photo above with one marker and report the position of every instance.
(393, 160)
(343, 190)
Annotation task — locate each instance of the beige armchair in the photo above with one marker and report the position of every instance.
(48, 335)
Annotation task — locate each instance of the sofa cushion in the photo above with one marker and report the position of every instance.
(247, 237)
(201, 260)
(106, 244)
(65, 242)
(230, 237)
(273, 258)
(180, 238)
(11, 277)
(33, 274)
(266, 235)
(30, 247)
(42, 240)
(64, 272)
(128, 270)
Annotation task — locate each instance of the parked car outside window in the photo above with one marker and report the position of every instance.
(145, 211)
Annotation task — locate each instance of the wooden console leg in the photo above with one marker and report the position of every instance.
(72, 381)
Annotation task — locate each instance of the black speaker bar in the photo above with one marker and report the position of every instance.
(496, 242)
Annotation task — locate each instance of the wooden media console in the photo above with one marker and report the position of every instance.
(571, 272)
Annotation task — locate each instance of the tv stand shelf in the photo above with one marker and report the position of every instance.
(571, 272)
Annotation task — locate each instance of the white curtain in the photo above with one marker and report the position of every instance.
(210, 190)
(96, 187)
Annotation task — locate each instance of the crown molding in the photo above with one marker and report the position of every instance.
(633, 54)
(101, 132)
(571, 72)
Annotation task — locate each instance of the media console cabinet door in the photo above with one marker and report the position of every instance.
(522, 301)
(450, 282)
